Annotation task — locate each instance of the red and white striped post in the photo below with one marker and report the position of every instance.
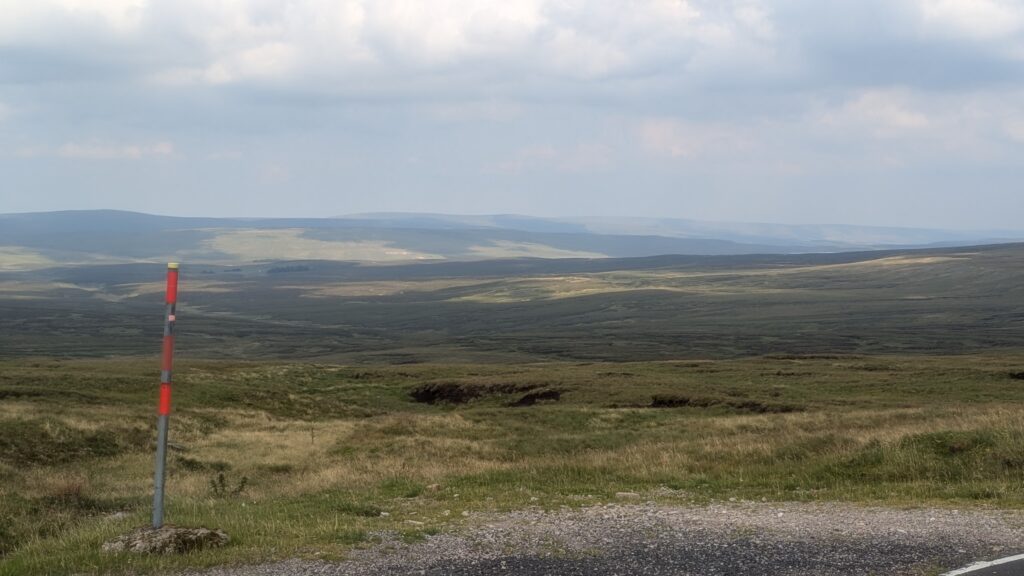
(164, 406)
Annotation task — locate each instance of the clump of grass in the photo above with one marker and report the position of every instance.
(401, 487)
(357, 509)
(416, 536)
(350, 536)
(221, 487)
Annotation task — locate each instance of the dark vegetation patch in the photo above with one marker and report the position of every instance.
(1017, 375)
(950, 443)
(360, 509)
(287, 269)
(813, 448)
(278, 468)
(872, 367)
(736, 405)
(41, 441)
(400, 487)
(195, 465)
(67, 504)
(461, 392)
(56, 394)
(813, 357)
(542, 395)
(221, 486)
(956, 458)
(73, 496)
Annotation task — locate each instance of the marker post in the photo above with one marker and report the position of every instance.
(164, 406)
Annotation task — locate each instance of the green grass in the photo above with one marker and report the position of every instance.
(301, 460)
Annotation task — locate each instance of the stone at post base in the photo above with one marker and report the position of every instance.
(166, 540)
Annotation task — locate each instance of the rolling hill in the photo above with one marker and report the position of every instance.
(940, 300)
(41, 240)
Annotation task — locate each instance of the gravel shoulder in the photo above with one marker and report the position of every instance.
(720, 539)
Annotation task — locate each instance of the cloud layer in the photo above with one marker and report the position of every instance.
(870, 111)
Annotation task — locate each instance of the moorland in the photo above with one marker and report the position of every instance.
(319, 404)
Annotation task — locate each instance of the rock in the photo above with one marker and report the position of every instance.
(433, 487)
(166, 540)
(414, 522)
(627, 495)
(385, 514)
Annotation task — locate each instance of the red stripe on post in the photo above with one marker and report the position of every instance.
(168, 356)
(165, 399)
(172, 285)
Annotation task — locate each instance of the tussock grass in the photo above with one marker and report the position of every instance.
(303, 459)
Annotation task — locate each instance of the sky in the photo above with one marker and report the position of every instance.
(872, 112)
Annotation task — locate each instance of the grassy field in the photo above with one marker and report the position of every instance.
(396, 398)
(301, 459)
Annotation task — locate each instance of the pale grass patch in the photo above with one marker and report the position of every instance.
(419, 446)
(386, 288)
(560, 287)
(135, 290)
(509, 249)
(16, 258)
(289, 244)
(11, 409)
(645, 457)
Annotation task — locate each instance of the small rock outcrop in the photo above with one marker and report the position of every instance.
(166, 540)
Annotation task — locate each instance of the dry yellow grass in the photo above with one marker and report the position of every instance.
(384, 288)
(316, 476)
(288, 244)
(507, 249)
(13, 258)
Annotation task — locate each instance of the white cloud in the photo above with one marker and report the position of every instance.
(489, 110)
(975, 19)
(331, 45)
(49, 21)
(580, 157)
(101, 151)
(1015, 129)
(228, 154)
(881, 113)
(678, 139)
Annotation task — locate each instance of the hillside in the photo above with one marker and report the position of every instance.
(912, 301)
(42, 240)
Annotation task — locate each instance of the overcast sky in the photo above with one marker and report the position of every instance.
(887, 112)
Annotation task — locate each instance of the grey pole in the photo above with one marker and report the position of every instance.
(164, 407)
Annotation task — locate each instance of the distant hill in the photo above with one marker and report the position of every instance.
(48, 239)
(817, 237)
